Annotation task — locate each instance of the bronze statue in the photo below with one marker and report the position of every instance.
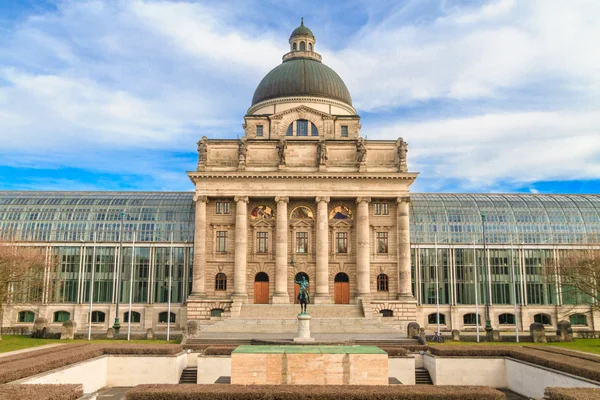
(281, 148)
(402, 150)
(242, 150)
(303, 296)
(202, 150)
(361, 151)
(322, 152)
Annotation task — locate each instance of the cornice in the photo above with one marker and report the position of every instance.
(300, 99)
(234, 175)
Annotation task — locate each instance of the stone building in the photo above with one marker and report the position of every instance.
(302, 193)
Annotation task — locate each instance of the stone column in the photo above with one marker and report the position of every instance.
(404, 278)
(322, 233)
(199, 265)
(281, 295)
(363, 265)
(241, 247)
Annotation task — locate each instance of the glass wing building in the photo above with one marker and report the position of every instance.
(151, 235)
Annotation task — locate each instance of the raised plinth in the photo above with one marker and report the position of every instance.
(309, 365)
(303, 329)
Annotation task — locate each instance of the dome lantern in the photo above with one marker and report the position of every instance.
(302, 40)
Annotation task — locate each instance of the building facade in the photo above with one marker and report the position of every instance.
(302, 193)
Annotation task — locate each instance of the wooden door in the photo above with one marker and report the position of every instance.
(261, 292)
(341, 292)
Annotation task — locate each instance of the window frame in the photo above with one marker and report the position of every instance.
(262, 242)
(98, 313)
(23, 313)
(301, 242)
(221, 282)
(383, 283)
(381, 238)
(344, 131)
(172, 317)
(134, 313)
(259, 130)
(381, 208)
(442, 319)
(223, 208)
(221, 241)
(341, 237)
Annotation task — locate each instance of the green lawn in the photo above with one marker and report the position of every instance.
(587, 345)
(11, 343)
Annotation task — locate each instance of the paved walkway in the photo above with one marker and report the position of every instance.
(27, 350)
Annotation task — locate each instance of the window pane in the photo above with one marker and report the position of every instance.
(302, 127)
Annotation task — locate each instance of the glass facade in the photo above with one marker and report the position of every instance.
(84, 232)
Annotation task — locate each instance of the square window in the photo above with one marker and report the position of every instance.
(344, 130)
(259, 130)
(222, 207)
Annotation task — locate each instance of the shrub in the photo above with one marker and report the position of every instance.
(558, 350)
(293, 392)
(219, 350)
(394, 351)
(142, 349)
(553, 393)
(37, 353)
(41, 392)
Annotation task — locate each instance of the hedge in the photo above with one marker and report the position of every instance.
(558, 350)
(219, 350)
(28, 354)
(23, 368)
(311, 392)
(394, 351)
(554, 393)
(41, 392)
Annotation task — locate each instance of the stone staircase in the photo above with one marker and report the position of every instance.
(282, 318)
(189, 376)
(422, 377)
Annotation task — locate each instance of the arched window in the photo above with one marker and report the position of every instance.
(264, 212)
(310, 47)
(471, 319)
(506, 319)
(578, 319)
(135, 317)
(26, 316)
(387, 313)
(382, 283)
(221, 281)
(303, 128)
(340, 212)
(162, 317)
(98, 317)
(61, 316)
(216, 312)
(302, 46)
(544, 319)
(432, 319)
(302, 212)
(294, 47)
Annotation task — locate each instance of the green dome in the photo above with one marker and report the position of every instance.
(302, 30)
(302, 77)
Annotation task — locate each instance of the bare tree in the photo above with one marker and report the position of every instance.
(578, 274)
(21, 275)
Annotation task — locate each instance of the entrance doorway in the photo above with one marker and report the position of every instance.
(261, 288)
(298, 277)
(341, 289)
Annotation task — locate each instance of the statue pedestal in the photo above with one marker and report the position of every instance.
(303, 329)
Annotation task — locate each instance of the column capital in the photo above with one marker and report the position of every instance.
(284, 199)
(319, 199)
(201, 199)
(237, 199)
(403, 199)
(361, 199)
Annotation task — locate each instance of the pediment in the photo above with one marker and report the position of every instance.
(300, 110)
(262, 223)
(341, 224)
(304, 223)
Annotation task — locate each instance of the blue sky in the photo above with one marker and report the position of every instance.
(492, 96)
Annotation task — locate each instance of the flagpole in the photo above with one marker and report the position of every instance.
(131, 287)
(92, 289)
(437, 285)
(170, 284)
(476, 286)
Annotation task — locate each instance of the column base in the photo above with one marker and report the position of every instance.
(323, 299)
(409, 298)
(240, 297)
(280, 299)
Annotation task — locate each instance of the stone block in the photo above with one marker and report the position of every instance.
(413, 330)
(40, 327)
(496, 336)
(68, 329)
(192, 328)
(456, 335)
(149, 334)
(564, 331)
(537, 332)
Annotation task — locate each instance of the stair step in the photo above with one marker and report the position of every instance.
(422, 377)
(189, 375)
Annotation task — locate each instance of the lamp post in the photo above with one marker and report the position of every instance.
(117, 325)
(488, 323)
